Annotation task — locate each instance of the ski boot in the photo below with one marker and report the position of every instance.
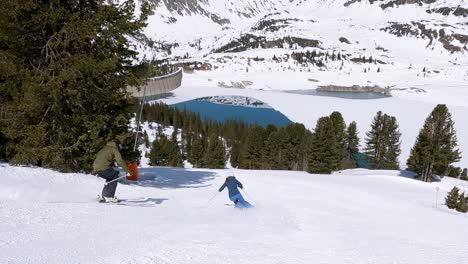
(108, 199)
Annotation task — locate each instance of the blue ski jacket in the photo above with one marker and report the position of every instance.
(231, 183)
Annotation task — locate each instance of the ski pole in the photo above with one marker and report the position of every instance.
(125, 176)
(211, 199)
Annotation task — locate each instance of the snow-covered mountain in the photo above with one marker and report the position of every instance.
(390, 31)
(426, 37)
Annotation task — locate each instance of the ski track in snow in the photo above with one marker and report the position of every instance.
(355, 216)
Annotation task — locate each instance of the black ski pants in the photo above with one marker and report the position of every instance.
(109, 175)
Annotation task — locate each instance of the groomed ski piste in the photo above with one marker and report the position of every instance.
(355, 216)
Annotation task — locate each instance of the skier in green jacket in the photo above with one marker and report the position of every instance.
(103, 167)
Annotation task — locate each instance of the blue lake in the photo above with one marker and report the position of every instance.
(222, 112)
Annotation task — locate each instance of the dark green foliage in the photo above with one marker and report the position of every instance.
(435, 146)
(64, 69)
(175, 155)
(462, 205)
(128, 141)
(352, 146)
(215, 154)
(339, 128)
(457, 201)
(188, 144)
(196, 153)
(275, 155)
(251, 152)
(297, 148)
(146, 139)
(165, 152)
(159, 155)
(464, 175)
(268, 148)
(331, 145)
(325, 152)
(3, 144)
(453, 171)
(383, 143)
(452, 198)
(286, 148)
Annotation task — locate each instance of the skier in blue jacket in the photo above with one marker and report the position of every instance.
(234, 195)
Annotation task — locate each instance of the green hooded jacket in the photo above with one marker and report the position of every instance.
(106, 157)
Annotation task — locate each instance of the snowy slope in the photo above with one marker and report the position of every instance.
(353, 217)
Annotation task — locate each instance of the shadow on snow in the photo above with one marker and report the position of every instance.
(172, 178)
(407, 174)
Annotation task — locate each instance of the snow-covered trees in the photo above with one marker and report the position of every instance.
(436, 145)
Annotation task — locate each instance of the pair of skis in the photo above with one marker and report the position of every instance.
(139, 202)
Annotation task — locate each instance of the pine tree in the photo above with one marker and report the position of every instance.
(453, 171)
(462, 205)
(275, 152)
(435, 146)
(159, 155)
(3, 146)
(175, 158)
(251, 153)
(352, 146)
(392, 143)
(383, 143)
(464, 175)
(339, 131)
(188, 144)
(196, 152)
(452, 198)
(176, 122)
(296, 146)
(324, 153)
(215, 154)
(68, 65)
(146, 139)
